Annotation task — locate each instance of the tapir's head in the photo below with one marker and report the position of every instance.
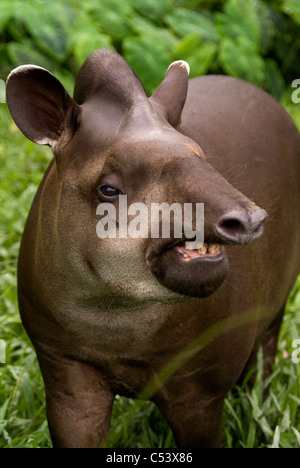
(112, 141)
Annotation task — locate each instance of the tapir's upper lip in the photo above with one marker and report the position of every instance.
(179, 242)
(161, 245)
(164, 245)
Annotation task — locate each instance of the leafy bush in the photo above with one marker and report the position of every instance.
(251, 39)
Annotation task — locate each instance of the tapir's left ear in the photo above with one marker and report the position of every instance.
(171, 95)
(39, 105)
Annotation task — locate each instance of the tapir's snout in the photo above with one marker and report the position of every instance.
(229, 218)
(201, 272)
(242, 227)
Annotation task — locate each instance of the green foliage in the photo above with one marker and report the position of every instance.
(155, 10)
(292, 8)
(236, 56)
(185, 22)
(254, 40)
(22, 400)
(148, 58)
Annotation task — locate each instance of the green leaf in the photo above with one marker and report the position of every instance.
(185, 22)
(292, 8)
(297, 434)
(240, 59)
(111, 16)
(251, 435)
(5, 65)
(188, 45)
(17, 27)
(239, 20)
(148, 58)
(276, 438)
(51, 27)
(235, 417)
(26, 53)
(86, 43)
(6, 12)
(201, 60)
(267, 26)
(274, 82)
(2, 101)
(67, 79)
(247, 18)
(155, 10)
(142, 26)
(3, 409)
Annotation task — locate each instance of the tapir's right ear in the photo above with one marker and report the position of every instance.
(171, 95)
(39, 105)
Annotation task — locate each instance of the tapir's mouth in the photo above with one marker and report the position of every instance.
(195, 272)
(206, 251)
(209, 250)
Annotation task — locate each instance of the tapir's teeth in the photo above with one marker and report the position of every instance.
(213, 249)
(203, 250)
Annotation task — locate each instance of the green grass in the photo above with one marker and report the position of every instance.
(248, 421)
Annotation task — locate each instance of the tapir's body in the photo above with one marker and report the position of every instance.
(96, 337)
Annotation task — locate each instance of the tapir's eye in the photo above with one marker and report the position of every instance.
(107, 192)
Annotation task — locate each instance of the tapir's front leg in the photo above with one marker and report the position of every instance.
(79, 403)
(196, 422)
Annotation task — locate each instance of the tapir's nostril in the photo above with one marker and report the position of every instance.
(232, 228)
(242, 227)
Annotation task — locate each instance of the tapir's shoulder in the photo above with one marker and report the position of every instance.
(223, 105)
(228, 116)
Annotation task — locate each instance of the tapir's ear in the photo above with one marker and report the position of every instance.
(39, 105)
(171, 95)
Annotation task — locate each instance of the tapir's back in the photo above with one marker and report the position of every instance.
(250, 139)
(242, 128)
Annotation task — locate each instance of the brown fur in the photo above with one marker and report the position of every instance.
(120, 316)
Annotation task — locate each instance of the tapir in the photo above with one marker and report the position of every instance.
(150, 317)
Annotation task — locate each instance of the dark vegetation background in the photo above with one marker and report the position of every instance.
(251, 39)
(254, 40)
